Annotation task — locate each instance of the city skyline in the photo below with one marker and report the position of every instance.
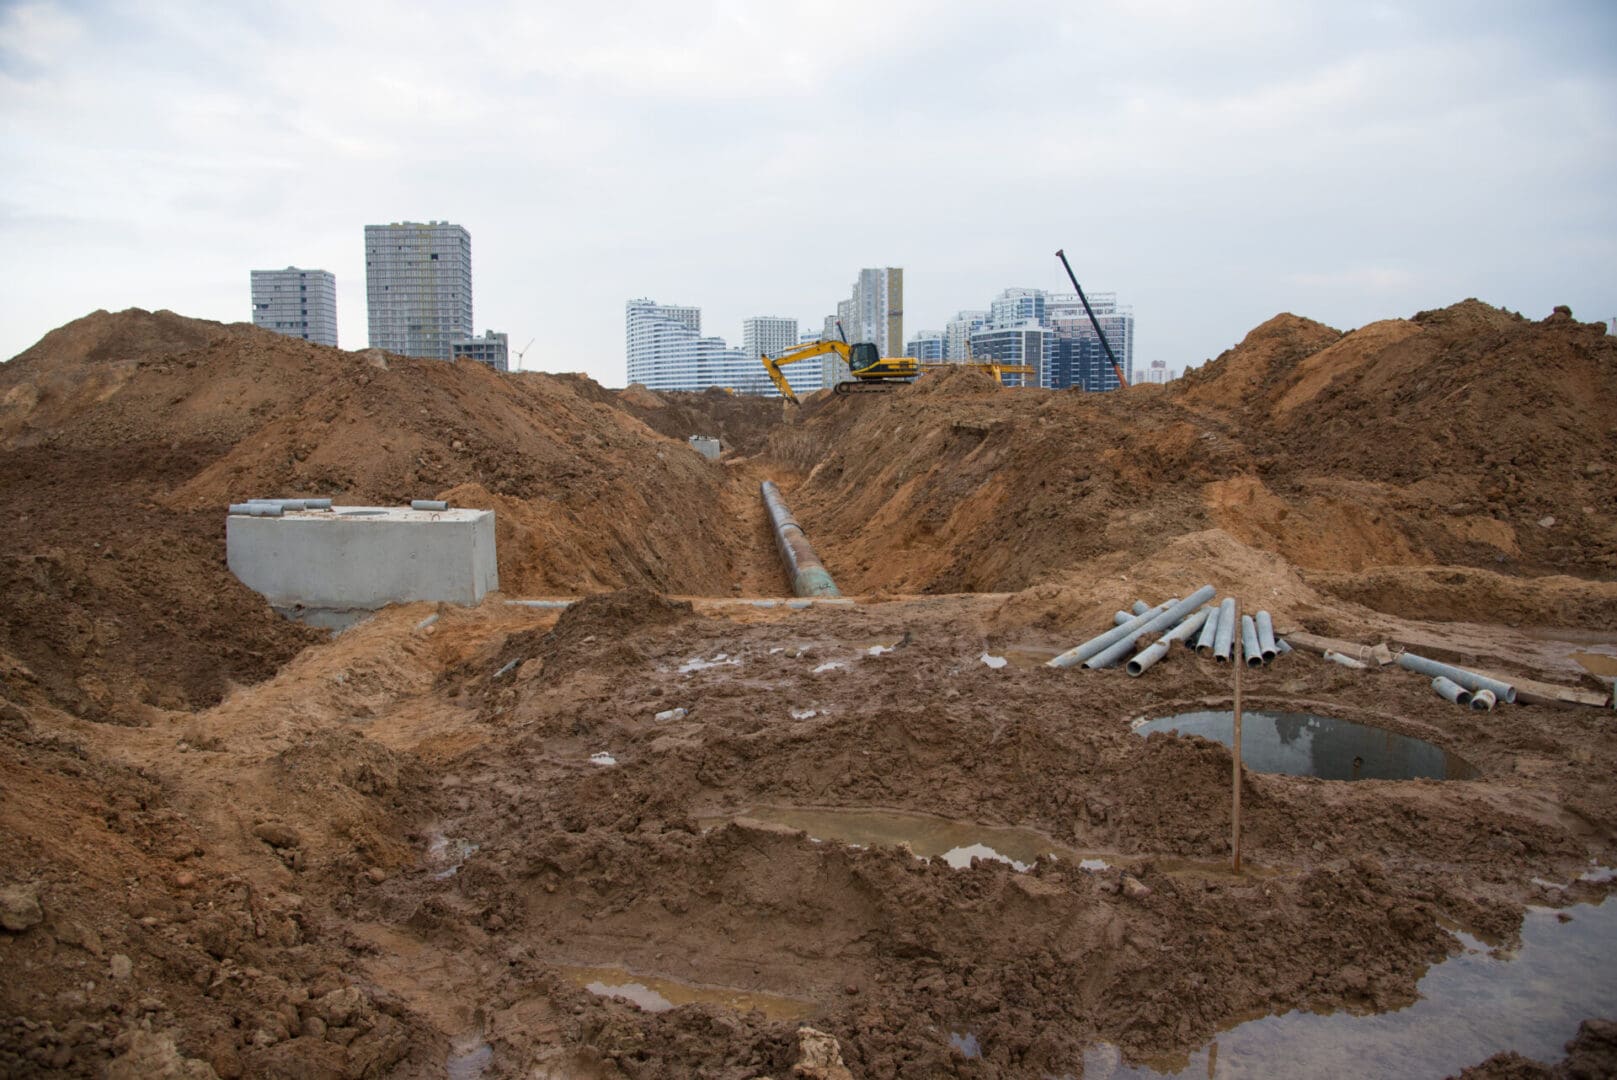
(1217, 165)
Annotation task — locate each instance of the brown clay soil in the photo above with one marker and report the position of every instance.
(234, 846)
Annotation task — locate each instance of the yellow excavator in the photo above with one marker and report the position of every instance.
(872, 373)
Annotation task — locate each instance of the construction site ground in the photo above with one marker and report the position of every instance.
(231, 845)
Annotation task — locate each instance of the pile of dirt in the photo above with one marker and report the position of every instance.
(741, 422)
(1391, 445)
(123, 437)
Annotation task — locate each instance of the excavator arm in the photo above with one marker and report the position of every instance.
(792, 356)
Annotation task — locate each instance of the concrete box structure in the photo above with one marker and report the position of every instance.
(707, 446)
(328, 567)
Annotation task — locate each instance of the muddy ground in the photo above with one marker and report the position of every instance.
(235, 847)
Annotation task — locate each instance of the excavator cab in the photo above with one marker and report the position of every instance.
(862, 356)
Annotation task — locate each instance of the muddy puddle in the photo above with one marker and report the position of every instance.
(1597, 663)
(955, 842)
(469, 1056)
(1023, 657)
(1297, 744)
(1472, 1006)
(655, 993)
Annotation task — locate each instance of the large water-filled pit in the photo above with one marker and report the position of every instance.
(1302, 744)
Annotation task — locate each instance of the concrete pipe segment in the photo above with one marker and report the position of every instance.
(808, 575)
(1451, 690)
(1143, 660)
(1249, 642)
(1172, 617)
(1266, 636)
(1224, 638)
(1468, 679)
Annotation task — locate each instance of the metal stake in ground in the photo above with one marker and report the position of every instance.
(1235, 808)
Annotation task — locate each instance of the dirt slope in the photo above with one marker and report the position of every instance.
(123, 437)
(1465, 436)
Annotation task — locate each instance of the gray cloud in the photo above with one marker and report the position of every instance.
(1212, 164)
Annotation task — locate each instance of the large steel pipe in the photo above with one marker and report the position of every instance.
(808, 575)
(1468, 679)
(1175, 612)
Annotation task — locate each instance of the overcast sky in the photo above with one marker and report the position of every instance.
(1213, 164)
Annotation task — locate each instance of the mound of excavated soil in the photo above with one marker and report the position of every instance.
(1465, 436)
(384, 854)
(741, 422)
(123, 437)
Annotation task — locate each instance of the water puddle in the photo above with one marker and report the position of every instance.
(657, 994)
(965, 1044)
(697, 663)
(1597, 663)
(469, 1056)
(1028, 657)
(1296, 744)
(446, 854)
(1471, 1007)
(955, 842)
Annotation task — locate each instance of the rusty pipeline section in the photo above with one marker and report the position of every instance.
(808, 575)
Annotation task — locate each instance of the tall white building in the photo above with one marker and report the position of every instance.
(878, 309)
(1014, 307)
(873, 312)
(770, 335)
(418, 287)
(295, 302)
(666, 351)
(957, 334)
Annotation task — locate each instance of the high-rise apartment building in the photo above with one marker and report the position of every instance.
(418, 287)
(666, 351)
(1077, 358)
(768, 335)
(1016, 306)
(927, 345)
(873, 312)
(1155, 372)
(491, 349)
(957, 334)
(878, 309)
(295, 302)
(1026, 343)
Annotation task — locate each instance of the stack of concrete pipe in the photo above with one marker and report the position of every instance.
(1459, 685)
(1207, 630)
(277, 507)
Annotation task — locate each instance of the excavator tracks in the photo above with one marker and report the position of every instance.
(869, 386)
